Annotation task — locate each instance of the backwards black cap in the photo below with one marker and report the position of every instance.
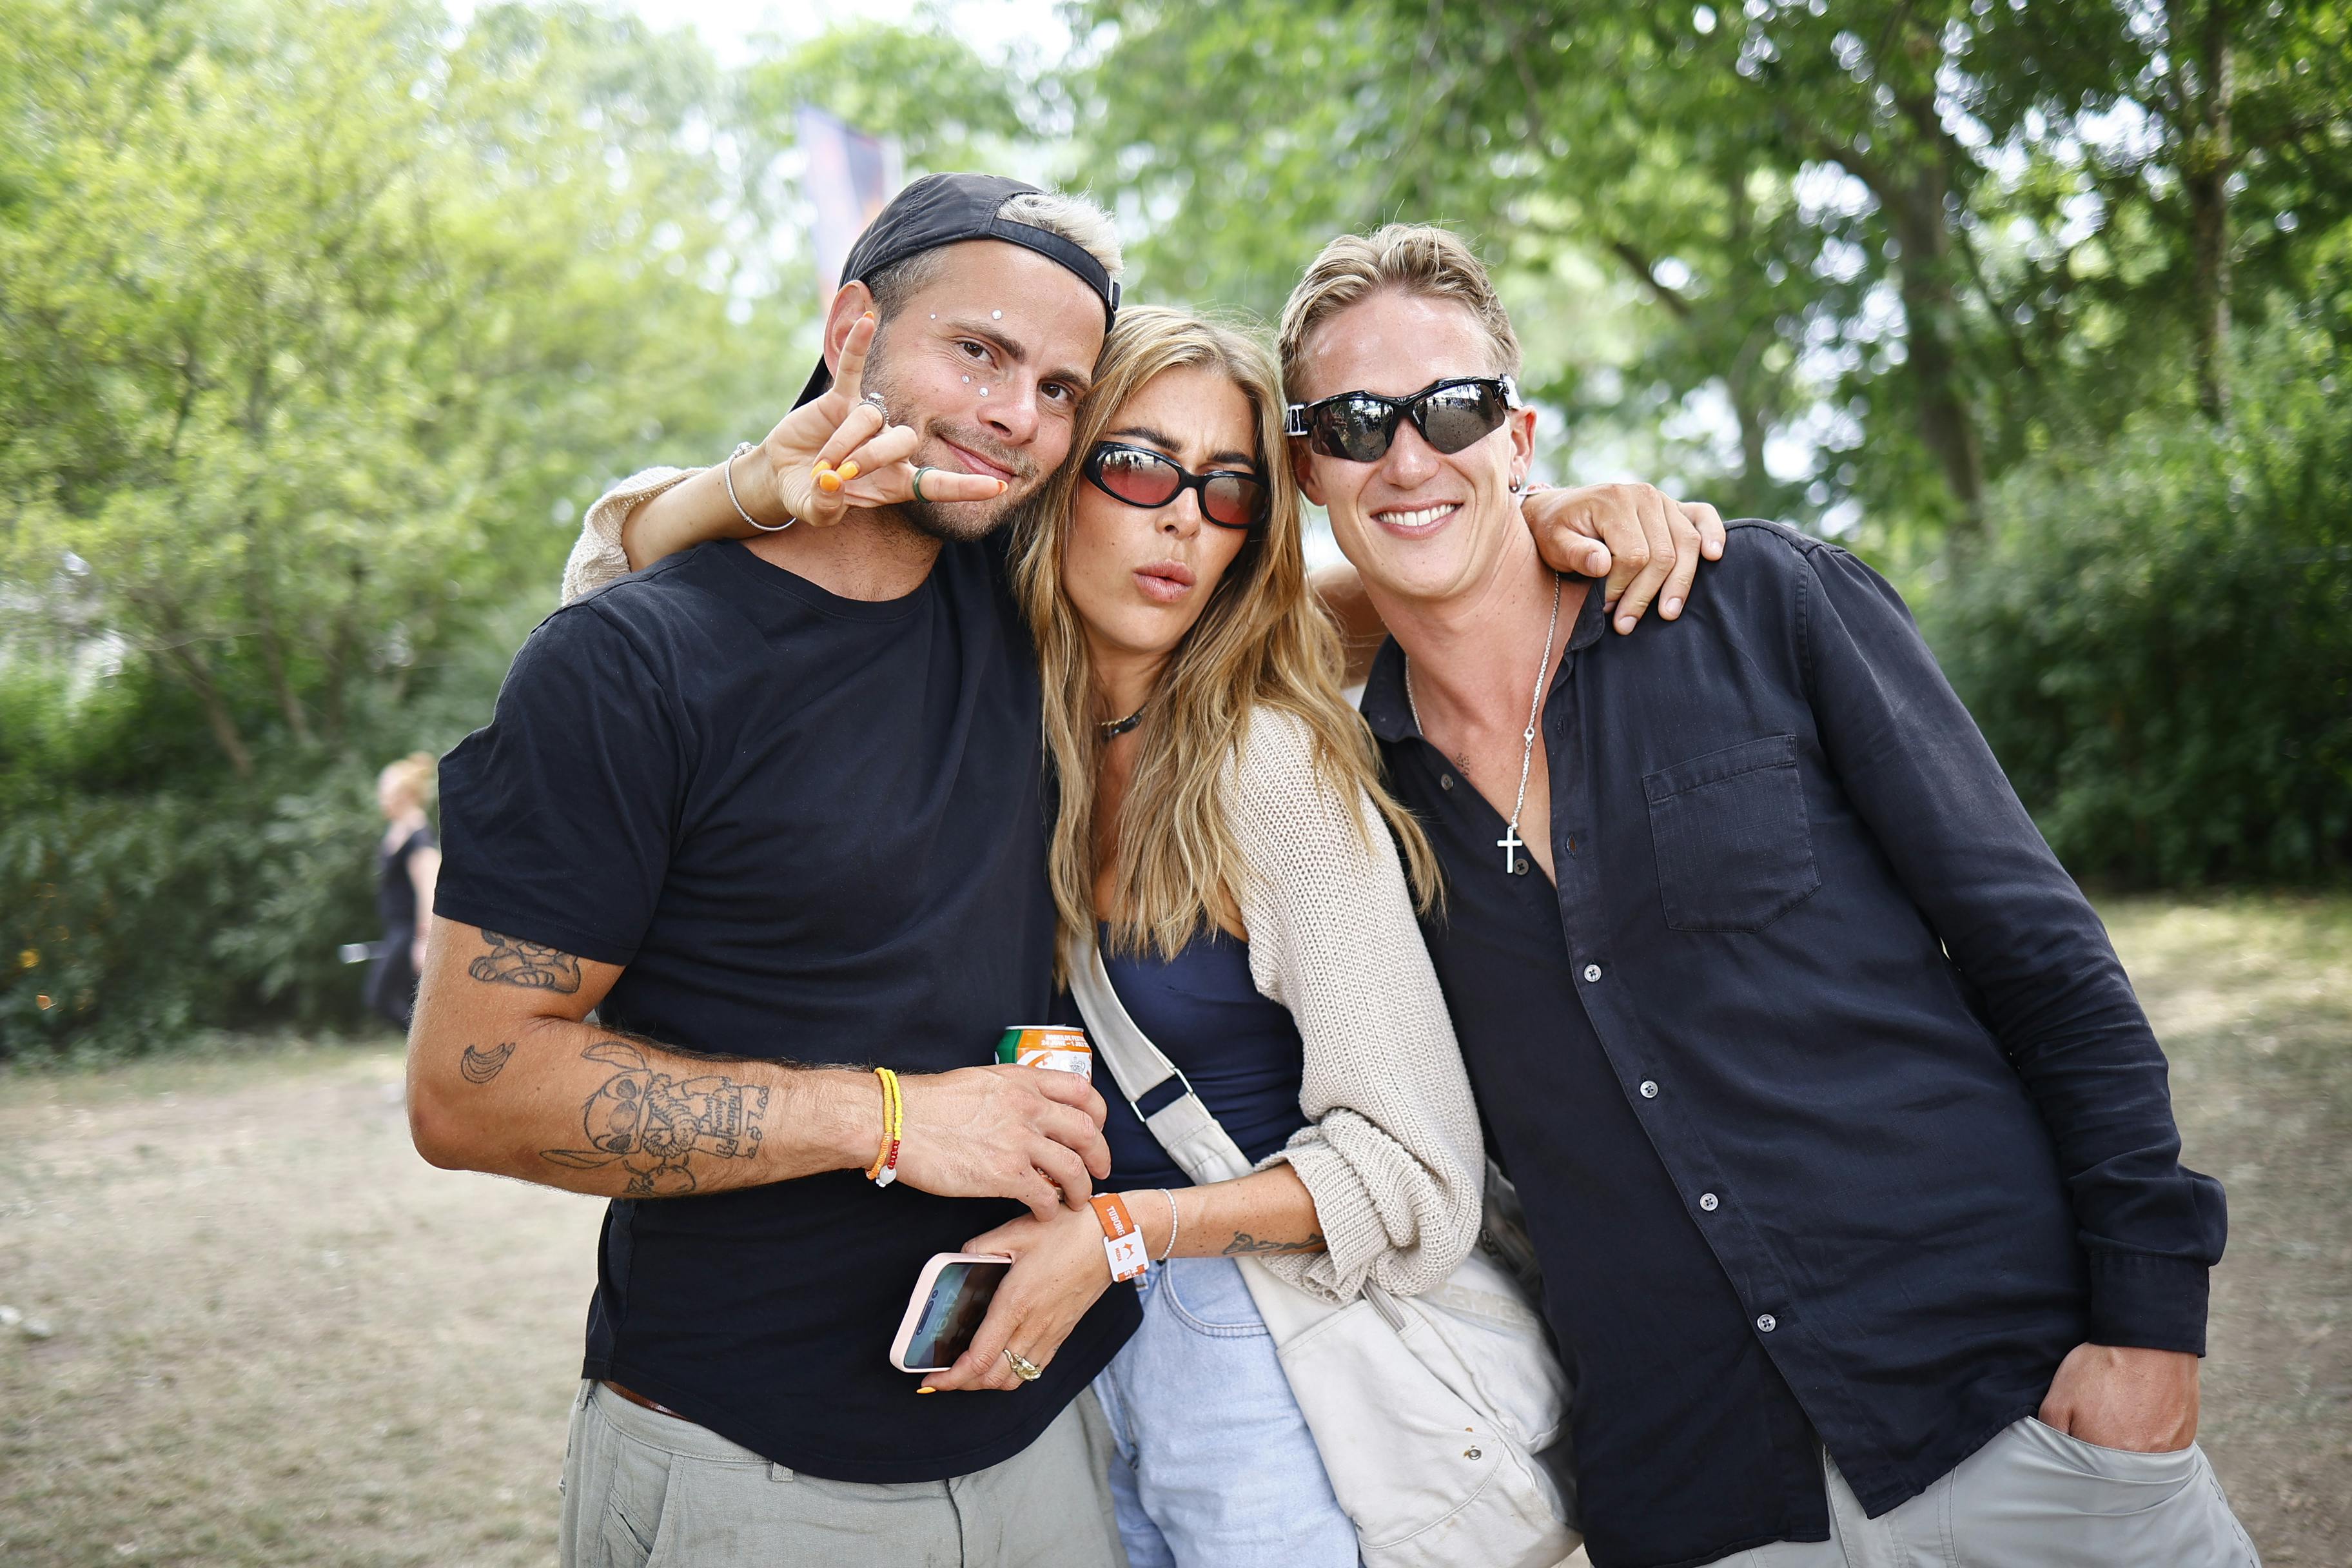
(942, 209)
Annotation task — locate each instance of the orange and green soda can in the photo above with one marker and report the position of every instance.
(1053, 1047)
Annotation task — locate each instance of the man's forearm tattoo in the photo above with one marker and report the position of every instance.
(533, 965)
(1243, 1244)
(480, 1066)
(654, 1124)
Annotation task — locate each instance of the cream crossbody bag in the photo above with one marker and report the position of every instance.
(1440, 1417)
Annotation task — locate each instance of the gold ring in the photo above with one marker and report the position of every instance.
(919, 496)
(1024, 1368)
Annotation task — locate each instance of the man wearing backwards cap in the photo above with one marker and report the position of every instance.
(778, 802)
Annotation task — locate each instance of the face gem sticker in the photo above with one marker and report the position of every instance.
(996, 315)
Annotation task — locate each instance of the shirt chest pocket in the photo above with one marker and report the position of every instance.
(1734, 850)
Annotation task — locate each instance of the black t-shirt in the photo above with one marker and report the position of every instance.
(814, 829)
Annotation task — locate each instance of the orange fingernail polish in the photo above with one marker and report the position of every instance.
(847, 470)
(828, 481)
(927, 1388)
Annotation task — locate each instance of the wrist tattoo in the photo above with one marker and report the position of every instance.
(533, 965)
(480, 1066)
(656, 1126)
(1243, 1244)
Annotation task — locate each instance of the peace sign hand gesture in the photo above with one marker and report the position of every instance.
(840, 451)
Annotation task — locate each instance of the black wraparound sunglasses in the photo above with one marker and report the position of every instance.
(1450, 416)
(1140, 477)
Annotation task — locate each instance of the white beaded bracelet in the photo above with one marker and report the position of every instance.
(1164, 1251)
(727, 469)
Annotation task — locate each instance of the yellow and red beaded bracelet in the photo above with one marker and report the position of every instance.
(884, 1168)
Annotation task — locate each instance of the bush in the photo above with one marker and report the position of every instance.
(130, 921)
(2158, 640)
(148, 897)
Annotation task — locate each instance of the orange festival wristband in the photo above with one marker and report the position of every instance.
(1122, 1242)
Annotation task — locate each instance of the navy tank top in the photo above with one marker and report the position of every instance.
(1240, 1051)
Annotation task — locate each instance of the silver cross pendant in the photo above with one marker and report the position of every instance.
(1510, 843)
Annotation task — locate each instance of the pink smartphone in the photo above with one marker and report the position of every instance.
(951, 1296)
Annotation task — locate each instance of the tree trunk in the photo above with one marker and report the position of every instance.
(2209, 160)
(1931, 314)
(342, 650)
(1755, 497)
(198, 672)
(273, 655)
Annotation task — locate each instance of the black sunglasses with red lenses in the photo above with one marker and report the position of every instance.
(1140, 477)
(1450, 416)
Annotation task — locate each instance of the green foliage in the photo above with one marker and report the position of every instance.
(947, 108)
(128, 922)
(1916, 244)
(321, 320)
(2158, 639)
(314, 312)
(319, 323)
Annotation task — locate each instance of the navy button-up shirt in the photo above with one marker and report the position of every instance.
(1832, 1111)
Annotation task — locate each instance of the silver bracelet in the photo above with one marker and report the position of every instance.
(1172, 1225)
(727, 469)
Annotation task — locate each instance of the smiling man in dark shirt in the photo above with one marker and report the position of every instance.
(1845, 1144)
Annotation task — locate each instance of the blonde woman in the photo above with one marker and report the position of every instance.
(407, 861)
(1222, 831)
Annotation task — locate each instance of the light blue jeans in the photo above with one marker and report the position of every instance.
(1214, 1466)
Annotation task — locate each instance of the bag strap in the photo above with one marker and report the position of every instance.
(1193, 1138)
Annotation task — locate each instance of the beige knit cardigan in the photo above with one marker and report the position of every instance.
(1392, 1152)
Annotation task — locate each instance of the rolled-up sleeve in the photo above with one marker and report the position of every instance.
(2027, 941)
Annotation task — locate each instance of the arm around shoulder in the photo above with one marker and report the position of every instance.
(599, 555)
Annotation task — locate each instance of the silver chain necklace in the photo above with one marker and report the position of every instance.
(1510, 843)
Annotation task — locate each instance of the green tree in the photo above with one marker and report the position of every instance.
(1948, 235)
(313, 311)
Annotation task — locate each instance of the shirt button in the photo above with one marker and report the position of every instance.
(1649, 1090)
(1591, 972)
(1707, 1201)
(1445, 781)
(1519, 866)
(1767, 1323)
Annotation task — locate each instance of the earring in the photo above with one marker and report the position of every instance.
(1516, 483)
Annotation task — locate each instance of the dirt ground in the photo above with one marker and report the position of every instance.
(272, 1334)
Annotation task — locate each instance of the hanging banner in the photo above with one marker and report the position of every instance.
(850, 178)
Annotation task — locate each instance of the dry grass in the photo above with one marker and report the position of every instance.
(281, 1338)
(2254, 1000)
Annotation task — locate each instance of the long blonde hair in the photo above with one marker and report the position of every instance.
(1263, 641)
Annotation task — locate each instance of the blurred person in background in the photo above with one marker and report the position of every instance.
(408, 859)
